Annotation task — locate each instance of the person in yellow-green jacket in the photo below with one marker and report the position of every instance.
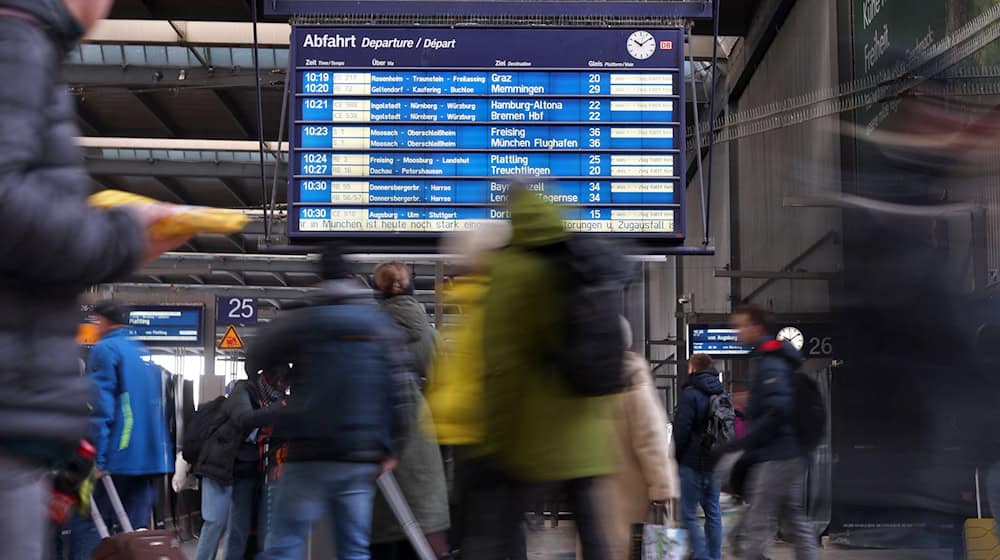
(541, 434)
(455, 394)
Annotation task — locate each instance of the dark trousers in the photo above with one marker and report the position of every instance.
(494, 531)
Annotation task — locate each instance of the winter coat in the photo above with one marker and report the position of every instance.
(539, 429)
(420, 472)
(129, 417)
(455, 394)
(352, 385)
(692, 419)
(646, 467)
(52, 246)
(421, 477)
(771, 408)
(421, 338)
(220, 452)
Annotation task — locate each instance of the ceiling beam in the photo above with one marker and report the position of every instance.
(148, 77)
(175, 188)
(247, 128)
(168, 168)
(748, 54)
(233, 290)
(158, 113)
(233, 186)
(88, 121)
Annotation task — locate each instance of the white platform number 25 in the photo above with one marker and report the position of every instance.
(240, 309)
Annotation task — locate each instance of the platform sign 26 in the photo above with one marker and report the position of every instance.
(236, 311)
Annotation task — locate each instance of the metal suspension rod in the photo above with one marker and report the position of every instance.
(281, 134)
(711, 108)
(260, 122)
(697, 140)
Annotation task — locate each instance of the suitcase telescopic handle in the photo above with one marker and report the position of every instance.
(116, 504)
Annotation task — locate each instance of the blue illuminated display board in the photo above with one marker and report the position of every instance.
(159, 325)
(718, 341)
(416, 132)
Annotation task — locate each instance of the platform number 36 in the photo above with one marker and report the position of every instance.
(237, 311)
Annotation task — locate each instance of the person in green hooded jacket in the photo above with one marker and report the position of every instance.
(540, 433)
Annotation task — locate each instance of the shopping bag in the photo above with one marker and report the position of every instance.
(660, 539)
(980, 534)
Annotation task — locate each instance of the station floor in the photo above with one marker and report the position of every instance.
(559, 544)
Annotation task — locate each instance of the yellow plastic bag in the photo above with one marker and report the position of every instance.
(186, 220)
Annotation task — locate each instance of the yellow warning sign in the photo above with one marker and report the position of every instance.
(231, 340)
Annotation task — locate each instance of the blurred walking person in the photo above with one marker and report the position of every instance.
(776, 479)
(350, 398)
(699, 486)
(647, 471)
(541, 433)
(129, 422)
(455, 393)
(420, 472)
(52, 247)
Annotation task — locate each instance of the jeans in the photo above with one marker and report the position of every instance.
(138, 495)
(775, 491)
(305, 492)
(701, 489)
(24, 499)
(225, 509)
(241, 510)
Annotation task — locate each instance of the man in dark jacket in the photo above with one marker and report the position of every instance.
(229, 467)
(698, 483)
(776, 481)
(352, 389)
(52, 246)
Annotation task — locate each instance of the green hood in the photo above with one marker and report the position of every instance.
(536, 222)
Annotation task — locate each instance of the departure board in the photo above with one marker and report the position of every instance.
(411, 133)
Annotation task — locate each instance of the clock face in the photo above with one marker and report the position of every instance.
(793, 336)
(641, 45)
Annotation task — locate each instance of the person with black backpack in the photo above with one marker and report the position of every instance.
(554, 361)
(785, 417)
(705, 419)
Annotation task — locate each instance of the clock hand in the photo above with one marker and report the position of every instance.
(648, 40)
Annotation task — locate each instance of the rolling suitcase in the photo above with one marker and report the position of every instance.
(131, 545)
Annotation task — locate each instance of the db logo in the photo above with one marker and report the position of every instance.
(666, 45)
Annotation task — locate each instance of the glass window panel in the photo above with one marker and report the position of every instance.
(281, 58)
(156, 54)
(178, 56)
(91, 54)
(135, 54)
(221, 56)
(243, 57)
(112, 54)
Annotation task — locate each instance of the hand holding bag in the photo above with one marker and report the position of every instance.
(660, 539)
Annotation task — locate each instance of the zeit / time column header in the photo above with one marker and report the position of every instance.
(416, 132)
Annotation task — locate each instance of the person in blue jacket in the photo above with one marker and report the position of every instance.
(699, 486)
(128, 425)
(776, 480)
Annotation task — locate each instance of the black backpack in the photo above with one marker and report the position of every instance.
(593, 274)
(720, 426)
(204, 422)
(810, 412)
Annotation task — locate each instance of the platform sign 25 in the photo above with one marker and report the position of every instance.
(236, 311)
